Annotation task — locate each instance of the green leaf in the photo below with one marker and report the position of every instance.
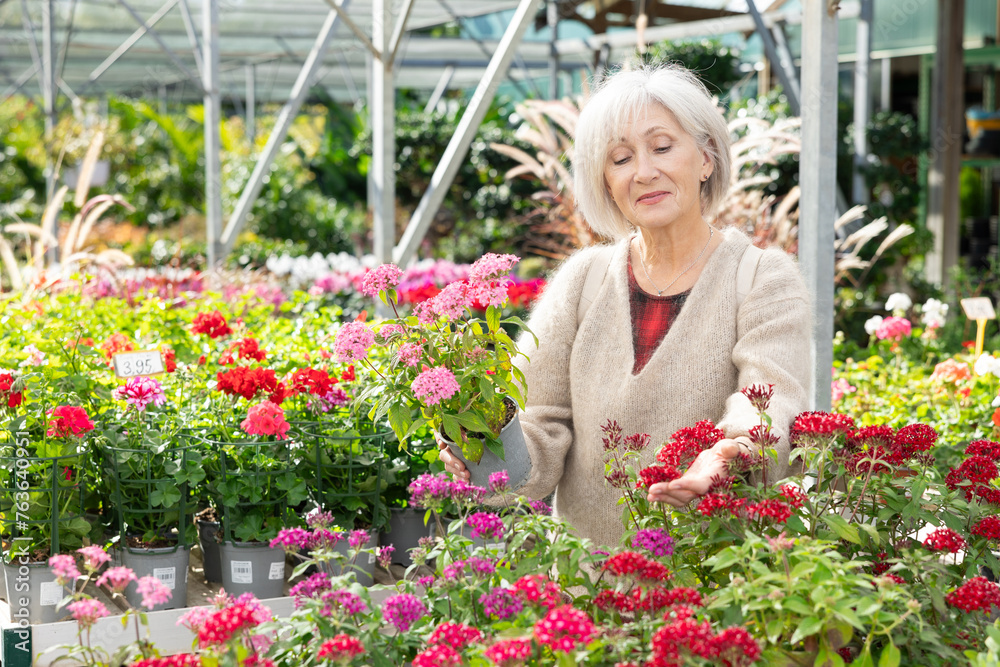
(890, 656)
(844, 530)
(493, 318)
(473, 422)
(807, 628)
(399, 420)
(452, 428)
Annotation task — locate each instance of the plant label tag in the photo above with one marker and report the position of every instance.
(979, 308)
(134, 364)
(371, 558)
(277, 571)
(51, 593)
(166, 575)
(242, 571)
(501, 547)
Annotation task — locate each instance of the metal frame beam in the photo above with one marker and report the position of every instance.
(862, 101)
(192, 36)
(457, 148)
(163, 45)
(213, 139)
(398, 32)
(131, 41)
(781, 60)
(284, 121)
(817, 178)
(49, 89)
(382, 108)
(336, 6)
(440, 89)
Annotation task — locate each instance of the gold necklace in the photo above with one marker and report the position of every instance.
(659, 292)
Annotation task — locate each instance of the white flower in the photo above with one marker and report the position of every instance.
(996, 402)
(934, 313)
(986, 364)
(872, 325)
(898, 303)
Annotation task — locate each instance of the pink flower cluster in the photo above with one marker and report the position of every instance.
(139, 392)
(433, 491)
(403, 610)
(153, 592)
(353, 341)
(434, 385)
(266, 418)
(87, 611)
(893, 328)
(564, 628)
(486, 525)
(381, 279)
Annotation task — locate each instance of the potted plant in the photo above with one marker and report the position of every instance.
(452, 370)
(150, 477)
(406, 523)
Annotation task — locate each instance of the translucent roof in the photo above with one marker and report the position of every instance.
(274, 36)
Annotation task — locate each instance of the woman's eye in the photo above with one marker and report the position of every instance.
(662, 149)
(620, 161)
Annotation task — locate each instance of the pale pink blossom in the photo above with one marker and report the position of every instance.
(435, 385)
(87, 611)
(353, 342)
(451, 302)
(894, 328)
(840, 388)
(64, 567)
(380, 279)
(116, 578)
(94, 557)
(153, 591)
(492, 266)
(409, 354)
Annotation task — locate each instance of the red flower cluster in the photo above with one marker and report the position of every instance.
(684, 636)
(987, 448)
(179, 660)
(973, 475)
(311, 381)
(248, 382)
(456, 635)
(688, 442)
(169, 359)
(913, 439)
(220, 627)
(8, 396)
(248, 349)
(656, 474)
(793, 495)
(944, 539)
(714, 504)
(539, 590)
(509, 652)
(977, 594)
(213, 324)
(68, 420)
(116, 343)
(776, 510)
(988, 527)
(654, 599)
(564, 628)
(439, 655)
(634, 564)
(815, 428)
(341, 647)
(874, 461)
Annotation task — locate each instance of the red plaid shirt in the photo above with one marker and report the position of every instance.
(651, 318)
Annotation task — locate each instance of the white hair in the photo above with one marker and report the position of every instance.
(614, 107)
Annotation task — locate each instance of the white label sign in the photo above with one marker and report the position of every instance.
(979, 308)
(277, 571)
(242, 571)
(51, 593)
(371, 558)
(133, 364)
(166, 575)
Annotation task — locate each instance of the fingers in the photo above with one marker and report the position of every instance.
(452, 463)
(729, 449)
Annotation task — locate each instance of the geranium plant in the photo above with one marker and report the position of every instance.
(452, 370)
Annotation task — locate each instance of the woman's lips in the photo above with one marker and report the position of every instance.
(652, 197)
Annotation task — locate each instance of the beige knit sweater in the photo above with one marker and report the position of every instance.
(578, 379)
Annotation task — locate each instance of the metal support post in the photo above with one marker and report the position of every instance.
(862, 101)
(130, 42)
(552, 14)
(885, 87)
(457, 148)
(946, 141)
(397, 33)
(780, 59)
(49, 93)
(382, 105)
(213, 139)
(159, 40)
(817, 177)
(192, 36)
(284, 121)
(251, 104)
(440, 89)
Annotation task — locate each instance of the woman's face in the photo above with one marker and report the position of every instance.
(654, 173)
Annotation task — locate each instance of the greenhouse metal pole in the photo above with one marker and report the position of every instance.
(781, 61)
(213, 139)
(817, 177)
(49, 93)
(382, 105)
(862, 101)
(281, 126)
(457, 148)
(251, 104)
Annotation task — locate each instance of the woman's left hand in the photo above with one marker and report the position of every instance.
(697, 480)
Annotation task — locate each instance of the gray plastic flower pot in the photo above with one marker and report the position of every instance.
(516, 461)
(32, 593)
(363, 567)
(252, 567)
(169, 565)
(406, 527)
(207, 531)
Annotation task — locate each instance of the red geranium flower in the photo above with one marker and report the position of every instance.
(213, 324)
(116, 343)
(8, 395)
(68, 420)
(311, 381)
(169, 359)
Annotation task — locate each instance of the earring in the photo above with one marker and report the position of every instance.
(704, 178)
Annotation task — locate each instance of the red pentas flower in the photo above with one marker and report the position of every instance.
(311, 381)
(509, 652)
(438, 655)
(220, 627)
(944, 539)
(178, 660)
(212, 324)
(10, 396)
(759, 395)
(815, 428)
(657, 598)
(988, 527)
(537, 589)
(987, 448)
(873, 461)
(977, 594)
(912, 439)
(656, 474)
(634, 564)
(684, 636)
(564, 628)
(775, 510)
(972, 475)
(341, 648)
(735, 647)
(793, 495)
(716, 504)
(456, 635)
(68, 420)
(871, 437)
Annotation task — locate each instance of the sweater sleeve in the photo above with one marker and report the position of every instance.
(547, 420)
(772, 347)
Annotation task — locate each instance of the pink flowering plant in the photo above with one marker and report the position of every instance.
(441, 366)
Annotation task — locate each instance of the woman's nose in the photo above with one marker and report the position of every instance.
(645, 169)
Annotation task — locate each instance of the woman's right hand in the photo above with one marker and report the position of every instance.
(452, 463)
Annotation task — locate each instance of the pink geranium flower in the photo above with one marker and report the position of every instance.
(266, 419)
(894, 328)
(140, 391)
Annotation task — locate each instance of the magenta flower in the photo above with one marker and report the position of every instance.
(403, 611)
(501, 602)
(353, 342)
(64, 567)
(94, 557)
(895, 328)
(87, 611)
(381, 279)
(656, 541)
(492, 266)
(344, 601)
(310, 587)
(358, 538)
(153, 591)
(384, 556)
(434, 385)
(139, 392)
(486, 525)
(317, 519)
(499, 481)
(292, 539)
(116, 578)
(430, 491)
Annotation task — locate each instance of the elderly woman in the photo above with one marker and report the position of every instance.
(666, 340)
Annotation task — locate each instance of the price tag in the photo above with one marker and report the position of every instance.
(50, 594)
(166, 575)
(277, 571)
(242, 571)
(134, 364)
(979, 308)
